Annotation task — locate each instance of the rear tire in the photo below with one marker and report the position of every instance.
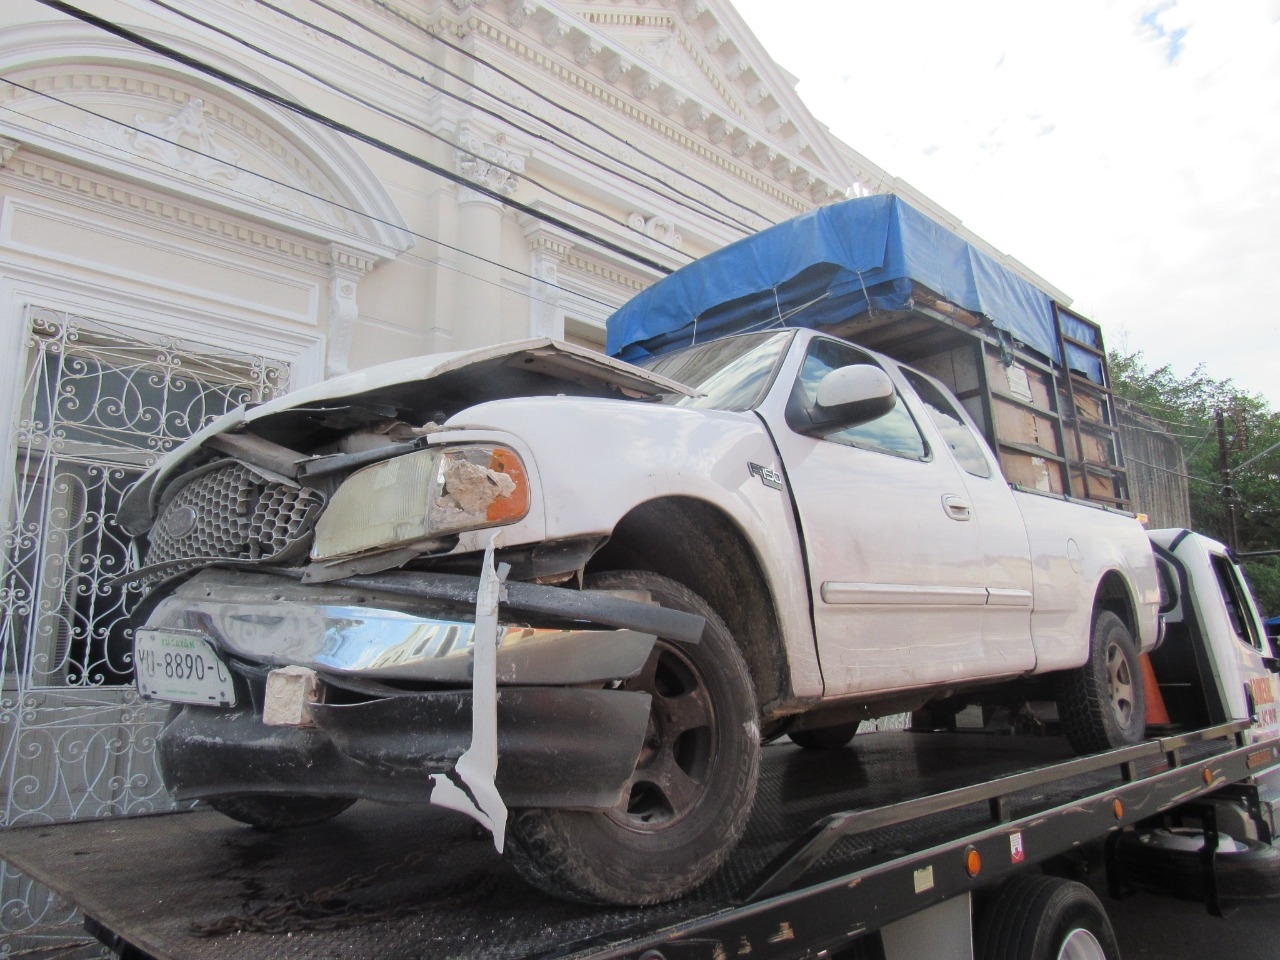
(1035, 917)
(1102, 704)
(695, 780)
(1169, 862)
(271, 812)
(825, 738)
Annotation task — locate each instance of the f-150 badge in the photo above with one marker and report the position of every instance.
(769, 477)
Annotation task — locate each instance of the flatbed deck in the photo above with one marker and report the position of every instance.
(413, 881)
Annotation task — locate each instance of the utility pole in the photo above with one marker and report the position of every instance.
(1228, 491)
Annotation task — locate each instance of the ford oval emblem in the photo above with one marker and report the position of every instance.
(181, 522)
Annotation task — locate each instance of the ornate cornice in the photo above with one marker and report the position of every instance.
(624, 82)
(85, 188)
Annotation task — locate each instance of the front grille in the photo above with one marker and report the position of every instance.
(232, 512)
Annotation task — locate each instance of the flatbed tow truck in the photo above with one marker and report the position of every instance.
(903, 844)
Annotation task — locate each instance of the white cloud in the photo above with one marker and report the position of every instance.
(1127, 151)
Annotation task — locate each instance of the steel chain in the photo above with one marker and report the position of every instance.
(328, 908)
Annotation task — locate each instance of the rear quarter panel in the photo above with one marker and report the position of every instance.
(1073, 546)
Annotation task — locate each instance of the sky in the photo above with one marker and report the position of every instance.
(1127, 151)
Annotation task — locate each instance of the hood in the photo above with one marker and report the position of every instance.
(414, 391)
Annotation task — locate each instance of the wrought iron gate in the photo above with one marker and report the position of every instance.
(100, 403)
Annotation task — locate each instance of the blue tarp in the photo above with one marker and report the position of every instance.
(824, 267)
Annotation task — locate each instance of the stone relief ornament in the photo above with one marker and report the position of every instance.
(656, 228)
(185, 142)
(489, 163)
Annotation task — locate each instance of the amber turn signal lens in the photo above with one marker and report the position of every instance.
(972, 861)
(1117, 807)
(515, 505)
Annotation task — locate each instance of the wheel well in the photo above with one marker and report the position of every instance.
(694, 543)
(1114, 595)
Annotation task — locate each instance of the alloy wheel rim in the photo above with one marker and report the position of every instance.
(1081, 944)
(1120, 683)
(671, 775)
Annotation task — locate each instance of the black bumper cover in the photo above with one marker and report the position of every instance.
(557, 747)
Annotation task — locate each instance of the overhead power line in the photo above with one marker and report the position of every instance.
(703, 209)
(529, 88)
(200, 66)
(375, 107)
(284, 185)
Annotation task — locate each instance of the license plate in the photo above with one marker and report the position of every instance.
(181, 666)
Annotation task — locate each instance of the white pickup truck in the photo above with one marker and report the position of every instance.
(571, 596)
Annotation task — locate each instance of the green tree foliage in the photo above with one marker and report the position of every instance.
(1187, 407)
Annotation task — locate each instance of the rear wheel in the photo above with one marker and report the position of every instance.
(1101, 704)
(687, 802)
(271, 812)
(1171, 862)
(1035, 917)
(825, 738)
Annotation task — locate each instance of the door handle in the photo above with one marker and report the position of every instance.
(957, 508)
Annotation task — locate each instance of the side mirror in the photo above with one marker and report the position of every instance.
(849, 396)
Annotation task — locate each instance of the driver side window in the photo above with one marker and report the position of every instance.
(894, 433)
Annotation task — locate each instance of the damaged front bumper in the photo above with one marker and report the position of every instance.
(408, 688)
(556, 747)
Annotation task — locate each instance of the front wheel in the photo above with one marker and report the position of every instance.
(1101, 704)
(689, 798)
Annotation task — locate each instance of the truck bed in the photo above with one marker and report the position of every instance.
(412, 881)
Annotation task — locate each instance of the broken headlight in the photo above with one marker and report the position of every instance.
(421, 496)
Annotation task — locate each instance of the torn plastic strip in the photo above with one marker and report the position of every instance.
(469, 787)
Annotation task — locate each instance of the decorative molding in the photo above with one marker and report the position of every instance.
(696, 115)
(488, 162)
(183, 214)
(555, 30)
(519, 12)
(208, 149)
(628, 282)
(643, 84)
(586, 50)
(716, 39)
(616, 68)
(185, 142)
(693, 9)
(756, 94)
(656, 228)
(597, 89)
(743, 144)
(346, 267)
(719, 129)
(671, 100)
(8, 147)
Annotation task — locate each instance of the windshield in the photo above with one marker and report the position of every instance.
(732, 374)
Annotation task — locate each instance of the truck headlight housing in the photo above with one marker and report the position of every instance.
(421, 496)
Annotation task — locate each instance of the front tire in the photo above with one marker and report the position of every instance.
(694, 783)
(1101, 704)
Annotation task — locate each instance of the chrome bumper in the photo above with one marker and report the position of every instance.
(341, 631)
